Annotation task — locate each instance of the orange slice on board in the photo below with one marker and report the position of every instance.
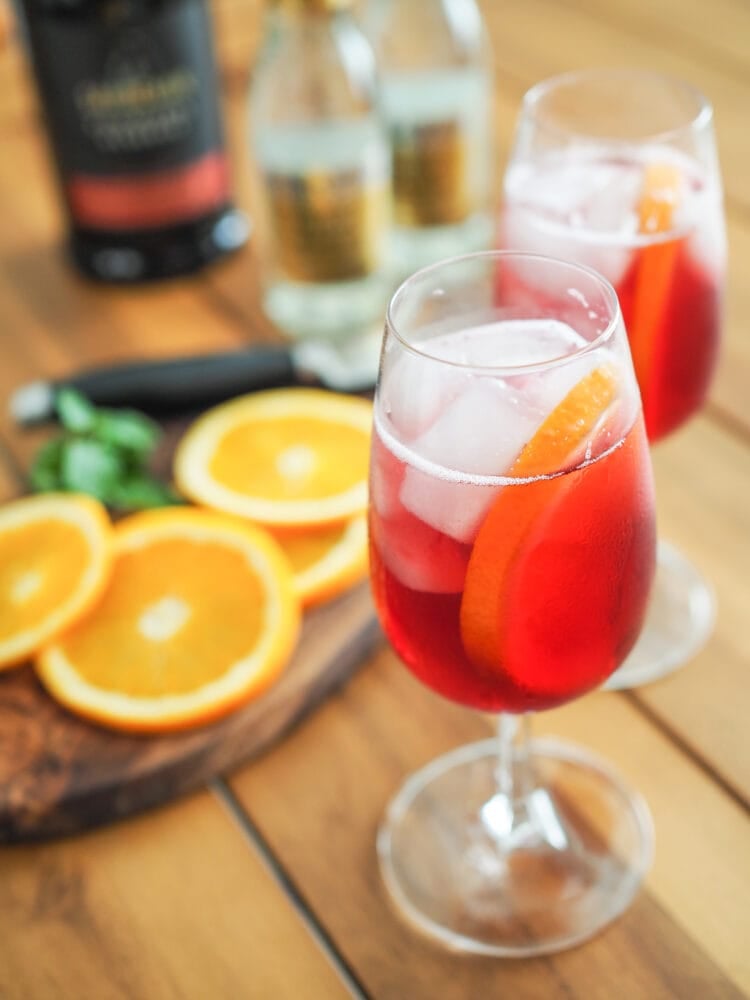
(662, 184)
(55, 558)
(286, 458)
(327, 561)
(504, 532)
(200, 615)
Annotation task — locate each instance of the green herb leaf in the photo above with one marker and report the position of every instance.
(76, 413)
(141, 491)
(129, 430)
(88, 466)
(103, 452)
(45, 473)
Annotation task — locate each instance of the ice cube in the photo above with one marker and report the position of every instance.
(461, 458)
(578, 209)
(420, 557)
(387, 475)
(476, 437)
(414, 391)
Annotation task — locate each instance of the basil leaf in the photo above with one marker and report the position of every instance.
(76, 413)
(142, 491)
(129, 430)
(88, 466)
(44, 474)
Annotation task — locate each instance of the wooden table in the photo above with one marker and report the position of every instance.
(265, 884)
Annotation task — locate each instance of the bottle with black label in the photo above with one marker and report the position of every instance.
(323, 171)
(130, 96)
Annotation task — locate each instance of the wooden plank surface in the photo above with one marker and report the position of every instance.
(702, 479)
(61, 775)
(384, 725)
(180, 903)
(539, 38)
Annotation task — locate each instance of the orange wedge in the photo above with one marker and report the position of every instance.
(55, 557)
(517, 508)
(286, 458)
(659, 197)
(662, 183)
(200, 615)
(327, 561)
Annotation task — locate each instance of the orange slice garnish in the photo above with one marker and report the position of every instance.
(286, 458)
(327, 561)
(200, 615)
(662, 183)
(55, 557)
(659, 197)
(560, 440)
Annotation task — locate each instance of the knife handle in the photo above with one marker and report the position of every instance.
(177, 385)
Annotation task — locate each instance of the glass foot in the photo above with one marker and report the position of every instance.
(680, 620)
(531, 874)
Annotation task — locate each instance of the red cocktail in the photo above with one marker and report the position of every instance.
(617, 170)
(649, 220)
(512, 552)
(575, 553)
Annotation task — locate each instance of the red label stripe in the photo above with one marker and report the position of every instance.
(161, 198)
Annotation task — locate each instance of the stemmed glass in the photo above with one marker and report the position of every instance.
(512, 551)
(617, 169)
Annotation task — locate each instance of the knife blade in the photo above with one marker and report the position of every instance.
(177, 385)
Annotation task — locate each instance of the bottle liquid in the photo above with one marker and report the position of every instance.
(323, 171)
(436, 86)
(129, 92)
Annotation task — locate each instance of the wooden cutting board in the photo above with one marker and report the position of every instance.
(60, 775)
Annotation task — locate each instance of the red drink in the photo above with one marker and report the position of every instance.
(511, 585)
(659, 241)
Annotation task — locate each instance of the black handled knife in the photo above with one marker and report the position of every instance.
(178, 385)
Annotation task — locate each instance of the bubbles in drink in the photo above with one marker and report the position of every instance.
(459, 430)
(590, 199)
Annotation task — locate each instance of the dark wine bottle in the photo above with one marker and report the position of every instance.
(129, 91)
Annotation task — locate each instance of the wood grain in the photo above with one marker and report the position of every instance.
(528, 52)
(702, 479)
(383, 726)
(178, 904)
(174, 905)
(60, 775)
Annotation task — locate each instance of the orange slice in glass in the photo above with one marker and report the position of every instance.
(662, 183)
(55, 558)
(503, 535)
(200, 615)
(286, 458)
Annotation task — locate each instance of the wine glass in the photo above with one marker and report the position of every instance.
(512, 545)
(617, 169)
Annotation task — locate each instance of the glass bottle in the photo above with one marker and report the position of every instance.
(436, 85)
(322, 171)
(129, 91)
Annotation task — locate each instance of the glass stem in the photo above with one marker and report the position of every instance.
(513, 764)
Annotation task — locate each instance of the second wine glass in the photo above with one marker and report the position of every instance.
(617, 169)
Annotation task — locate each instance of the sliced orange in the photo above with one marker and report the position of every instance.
(286, 458)
(662, 183)
(558, 442)
(200, 615)
(659, 197)
(55, 558)
(327, 561)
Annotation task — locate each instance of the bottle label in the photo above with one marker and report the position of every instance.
(431, 175)
(131, 101)
(327, 227)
